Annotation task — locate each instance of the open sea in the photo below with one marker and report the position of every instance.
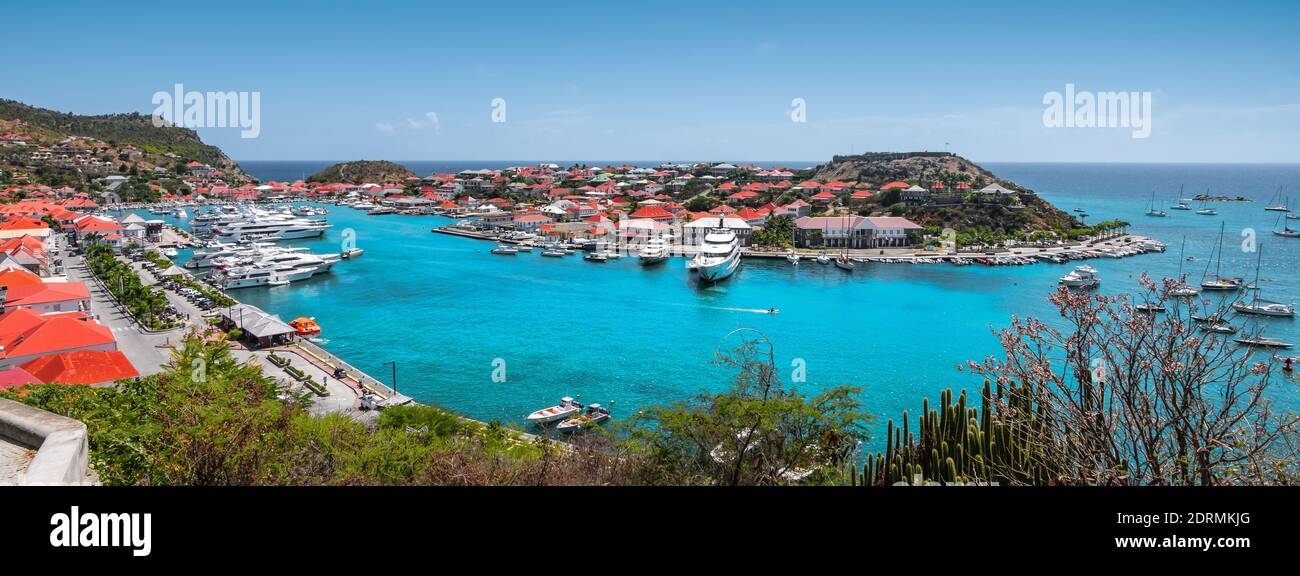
(449, 313)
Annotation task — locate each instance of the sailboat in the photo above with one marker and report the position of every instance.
(1259, 306)
(1183, 203)
(1206, 210)
(1272, 207)
(842, 261)
(1151, 209)
(1219, 282)
(1182, 289)
(1286, 226)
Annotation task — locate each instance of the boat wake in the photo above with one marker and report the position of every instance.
(315, 340)
(727, 309)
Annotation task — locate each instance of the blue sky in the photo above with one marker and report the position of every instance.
(681, 80)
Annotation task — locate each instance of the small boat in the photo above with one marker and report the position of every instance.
(566, 408)
(524, 247)
(845, 263)
(1220, 328)
(792, 257)
(170, 252)
(596, 257)
(594, 415)
(351, 253)
(1181, 206)
(553, 253)
(1207, 212)
(823, 258)
(1081, 277)
(505, 250)
(305, 326)
(1262, 342)
(1150, 308)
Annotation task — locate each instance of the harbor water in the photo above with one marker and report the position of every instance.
(496, 337)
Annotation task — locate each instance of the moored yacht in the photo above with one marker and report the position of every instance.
(1081, 277)
(654, 252)
(719, 255)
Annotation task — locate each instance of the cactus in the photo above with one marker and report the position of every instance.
(956, 442)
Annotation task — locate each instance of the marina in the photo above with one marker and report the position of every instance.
(607, 319)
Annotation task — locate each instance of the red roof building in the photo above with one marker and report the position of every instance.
(82, 367)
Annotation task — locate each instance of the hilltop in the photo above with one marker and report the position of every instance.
(129, 140)
(957, 204)
(362, 172)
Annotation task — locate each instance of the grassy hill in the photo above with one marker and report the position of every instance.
(363, 172)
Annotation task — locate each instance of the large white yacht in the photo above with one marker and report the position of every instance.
(271, 228)
(654, 252)
(719, 255)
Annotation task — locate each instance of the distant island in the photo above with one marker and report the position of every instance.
(363, 172)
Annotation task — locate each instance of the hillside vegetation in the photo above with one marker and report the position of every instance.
(363, 172)
(118, 130)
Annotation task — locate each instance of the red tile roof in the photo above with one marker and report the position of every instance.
(82, 367)
(14, 377)
(27, 333)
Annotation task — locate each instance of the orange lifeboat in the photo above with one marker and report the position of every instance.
(305, 326)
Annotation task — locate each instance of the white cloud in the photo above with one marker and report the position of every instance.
(385, 127)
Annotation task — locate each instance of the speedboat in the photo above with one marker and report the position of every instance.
(170, 252)
(594, 415)
(1182, 290)
(719, 255)
(553, 253)
(654, 252)
(505, 250)
(1207, 212)
(566, 408)
(1181, 206)
(351, 253)
(596, 257)
(1081, 277)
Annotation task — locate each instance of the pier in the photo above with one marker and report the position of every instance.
(1117, 246)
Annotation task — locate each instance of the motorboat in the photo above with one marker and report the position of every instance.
(1207, 212)
(596, 257)
(1149, 308)
(553, 253)
(566, 408)
(719, 255)
(305, 326)
(351, 253)
(654, 252)
(505, 250)
(169, 252)
(1081, 277)
(594, 415)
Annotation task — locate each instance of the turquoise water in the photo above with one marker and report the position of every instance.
(444, 308)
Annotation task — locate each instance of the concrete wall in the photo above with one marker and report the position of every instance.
(64, 450)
